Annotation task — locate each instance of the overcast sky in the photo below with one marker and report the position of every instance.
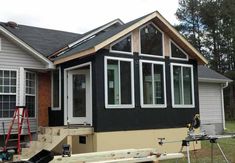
(81, 15)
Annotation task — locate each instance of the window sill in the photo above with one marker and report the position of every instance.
(153, 106)
(183, 106)
(119, 107)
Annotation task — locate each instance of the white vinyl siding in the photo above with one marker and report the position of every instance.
(210, 103)
(12, 55)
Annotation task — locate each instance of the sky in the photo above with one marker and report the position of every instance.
(80, 16)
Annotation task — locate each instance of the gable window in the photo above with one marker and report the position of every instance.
(30, 92)
(8, 80)
(119, 86)
(182, 85)
(177, 52)
(152, 79)
(55, 89)
(123, 45)
(151, 40)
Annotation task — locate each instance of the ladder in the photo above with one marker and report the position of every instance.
(19, 117)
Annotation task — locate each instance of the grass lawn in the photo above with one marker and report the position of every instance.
(204, 155)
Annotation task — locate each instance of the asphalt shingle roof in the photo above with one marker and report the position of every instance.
(98, 39)
(45, 41)
(206, 73)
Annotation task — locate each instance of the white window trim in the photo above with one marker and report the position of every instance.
(119, 106)
(122, 52)
(175, 58)
(141, 85)
(172, 87)
(35, 95)
(52, 87)
(17, 89)
(163, 42)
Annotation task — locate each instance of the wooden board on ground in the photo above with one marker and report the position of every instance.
(129, 155)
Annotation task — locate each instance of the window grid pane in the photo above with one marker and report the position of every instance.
(158, 84)
(151, 40)
(30, 89)
(178, 93)
(7, 93)
(182, 79)
(124, 45)
(113, 82)
(56, 88)
(147, 83)
(119, 83)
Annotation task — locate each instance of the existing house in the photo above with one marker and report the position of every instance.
(132, 83)
(211, 99)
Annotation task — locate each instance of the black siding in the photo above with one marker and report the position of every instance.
(138, 118)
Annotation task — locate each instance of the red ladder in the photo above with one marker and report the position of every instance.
(20, 114)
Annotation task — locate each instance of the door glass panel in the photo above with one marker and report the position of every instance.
(79, 95)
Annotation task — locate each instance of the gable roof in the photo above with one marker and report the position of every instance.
(206, 74)
(44, 41)
(98, 42)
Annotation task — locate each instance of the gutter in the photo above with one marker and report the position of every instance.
(223, 86)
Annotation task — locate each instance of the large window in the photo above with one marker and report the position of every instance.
(124, 45)
(152, 79)
(55, 89)
(8, 82)
(151, 40)
(177, 52)
(182, 85)
(119, 86)
(30, 93)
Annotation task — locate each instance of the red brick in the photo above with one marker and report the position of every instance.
(44, 97)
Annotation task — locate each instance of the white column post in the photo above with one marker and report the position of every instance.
(22, 87)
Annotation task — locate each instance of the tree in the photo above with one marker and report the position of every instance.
(189, 16)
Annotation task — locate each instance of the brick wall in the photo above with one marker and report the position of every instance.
(44, 97)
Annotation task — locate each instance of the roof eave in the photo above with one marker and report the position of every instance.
(74, 56)
(211, 80)
(49, 64)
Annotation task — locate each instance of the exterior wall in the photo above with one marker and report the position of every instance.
(210, 99)
(14, 56)
(141, 139)
(137, 118)
(44, 97)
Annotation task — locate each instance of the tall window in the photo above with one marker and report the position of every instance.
(151, 39)
(56, 89)
(30, 93)
(177, 52)
(119, 82)
(182, 85)
(123, 45)
(152, 84)
(8, 80)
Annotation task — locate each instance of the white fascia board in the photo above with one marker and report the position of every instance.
(50, 65)
(209, 80)
(96, 31)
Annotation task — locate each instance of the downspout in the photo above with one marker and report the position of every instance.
(222, 103)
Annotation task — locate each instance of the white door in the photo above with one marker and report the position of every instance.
(79, 96)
